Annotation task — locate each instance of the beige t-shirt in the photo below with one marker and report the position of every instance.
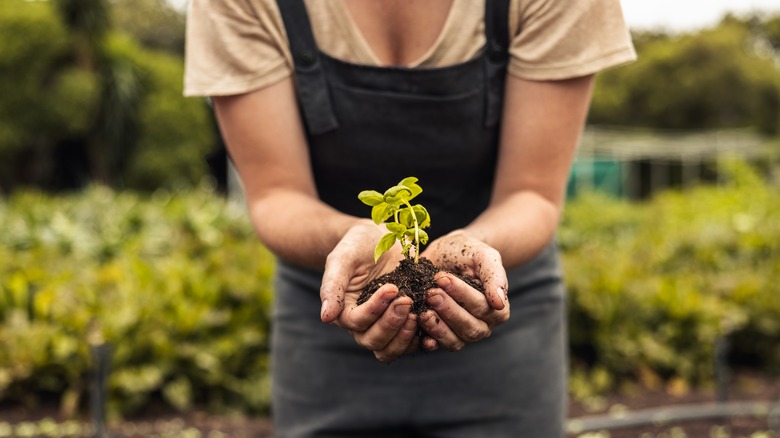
(236, 46)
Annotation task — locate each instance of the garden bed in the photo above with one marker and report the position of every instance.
(155, 421)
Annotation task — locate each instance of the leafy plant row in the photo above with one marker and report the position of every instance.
(177, 284)
(654, 286)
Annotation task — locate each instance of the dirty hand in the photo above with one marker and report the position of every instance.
(383, 324)
(461, 314)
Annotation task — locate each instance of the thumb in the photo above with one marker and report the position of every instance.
(332, 304)
(497, 297)
(495, 281)
(332, 292)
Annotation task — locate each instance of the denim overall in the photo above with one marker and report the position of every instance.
(369, 127)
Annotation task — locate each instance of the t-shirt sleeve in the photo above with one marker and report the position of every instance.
(233, 46)
(560, 39)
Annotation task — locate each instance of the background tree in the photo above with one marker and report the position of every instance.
(109, 141)
(722, 77)
(155, 24)
(82, 102)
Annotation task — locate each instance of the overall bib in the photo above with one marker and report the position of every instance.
(369, 127)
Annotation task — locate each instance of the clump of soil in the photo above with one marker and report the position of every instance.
(413, 280)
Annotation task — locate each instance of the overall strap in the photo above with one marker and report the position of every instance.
(496, 56)
(313, 94)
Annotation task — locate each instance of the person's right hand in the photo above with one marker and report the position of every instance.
(383, 324)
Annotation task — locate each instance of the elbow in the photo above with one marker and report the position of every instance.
(261, 219)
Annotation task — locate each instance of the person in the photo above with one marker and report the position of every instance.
(484, 102)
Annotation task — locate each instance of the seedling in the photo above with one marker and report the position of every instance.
(407, 222)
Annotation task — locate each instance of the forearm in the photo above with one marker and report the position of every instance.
(543, 122)
(265, 137)
(298, 228)
(519, 226)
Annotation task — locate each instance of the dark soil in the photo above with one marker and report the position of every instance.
(414, 280)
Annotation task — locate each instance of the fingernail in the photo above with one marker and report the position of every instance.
(390, 294)
(502, 293)
(409, 324)
(324, 309)
(435, 300)
(444, 282)
(402, 309)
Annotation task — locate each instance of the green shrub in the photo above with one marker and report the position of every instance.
(178, 285)
(653, 286)
(175, 282)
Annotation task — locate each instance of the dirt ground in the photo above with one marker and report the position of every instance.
(745, 386)
(42, 422)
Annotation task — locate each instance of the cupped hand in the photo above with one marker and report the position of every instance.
(382, 324)
(460, 313)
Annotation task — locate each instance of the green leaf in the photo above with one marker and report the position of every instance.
(405, 218)
(381, 212)
(371, 197)
(411, 183)
(397, 194)
(422, 234)
(423, 218)
(423, 237)
(385, 243)
(396, 228)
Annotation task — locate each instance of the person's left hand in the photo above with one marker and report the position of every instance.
(461, 314)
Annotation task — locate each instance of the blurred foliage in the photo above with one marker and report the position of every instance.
(175, 133)
(727, 76)
(93, 91)
(24, 109)
(177, 283)
(155, 24)
(174, 282)
(653, 286)
(771, 30)
(84, 102)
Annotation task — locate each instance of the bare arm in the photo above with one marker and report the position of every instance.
(265, 137)
(266, 140)
(542, 125)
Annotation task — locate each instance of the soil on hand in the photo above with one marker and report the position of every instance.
(414, 280)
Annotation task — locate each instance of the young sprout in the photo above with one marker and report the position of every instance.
(407, 221)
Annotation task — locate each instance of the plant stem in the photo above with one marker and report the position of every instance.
(416, 232)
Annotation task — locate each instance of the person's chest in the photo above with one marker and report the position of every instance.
(399, 32)
(410, 33)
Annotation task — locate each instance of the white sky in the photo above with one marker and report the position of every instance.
(685, 15)
(672, 15)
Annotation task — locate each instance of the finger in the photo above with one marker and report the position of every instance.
(334, 285)
(377, 336)
(401, 342)
(470, 299)
(429, 344)
(465, 296)
(497, 297)
(415, 344)
(360, 318)
(438, 330)
(463, 324)
(491, 271)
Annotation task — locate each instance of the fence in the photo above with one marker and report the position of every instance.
(636, 163)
